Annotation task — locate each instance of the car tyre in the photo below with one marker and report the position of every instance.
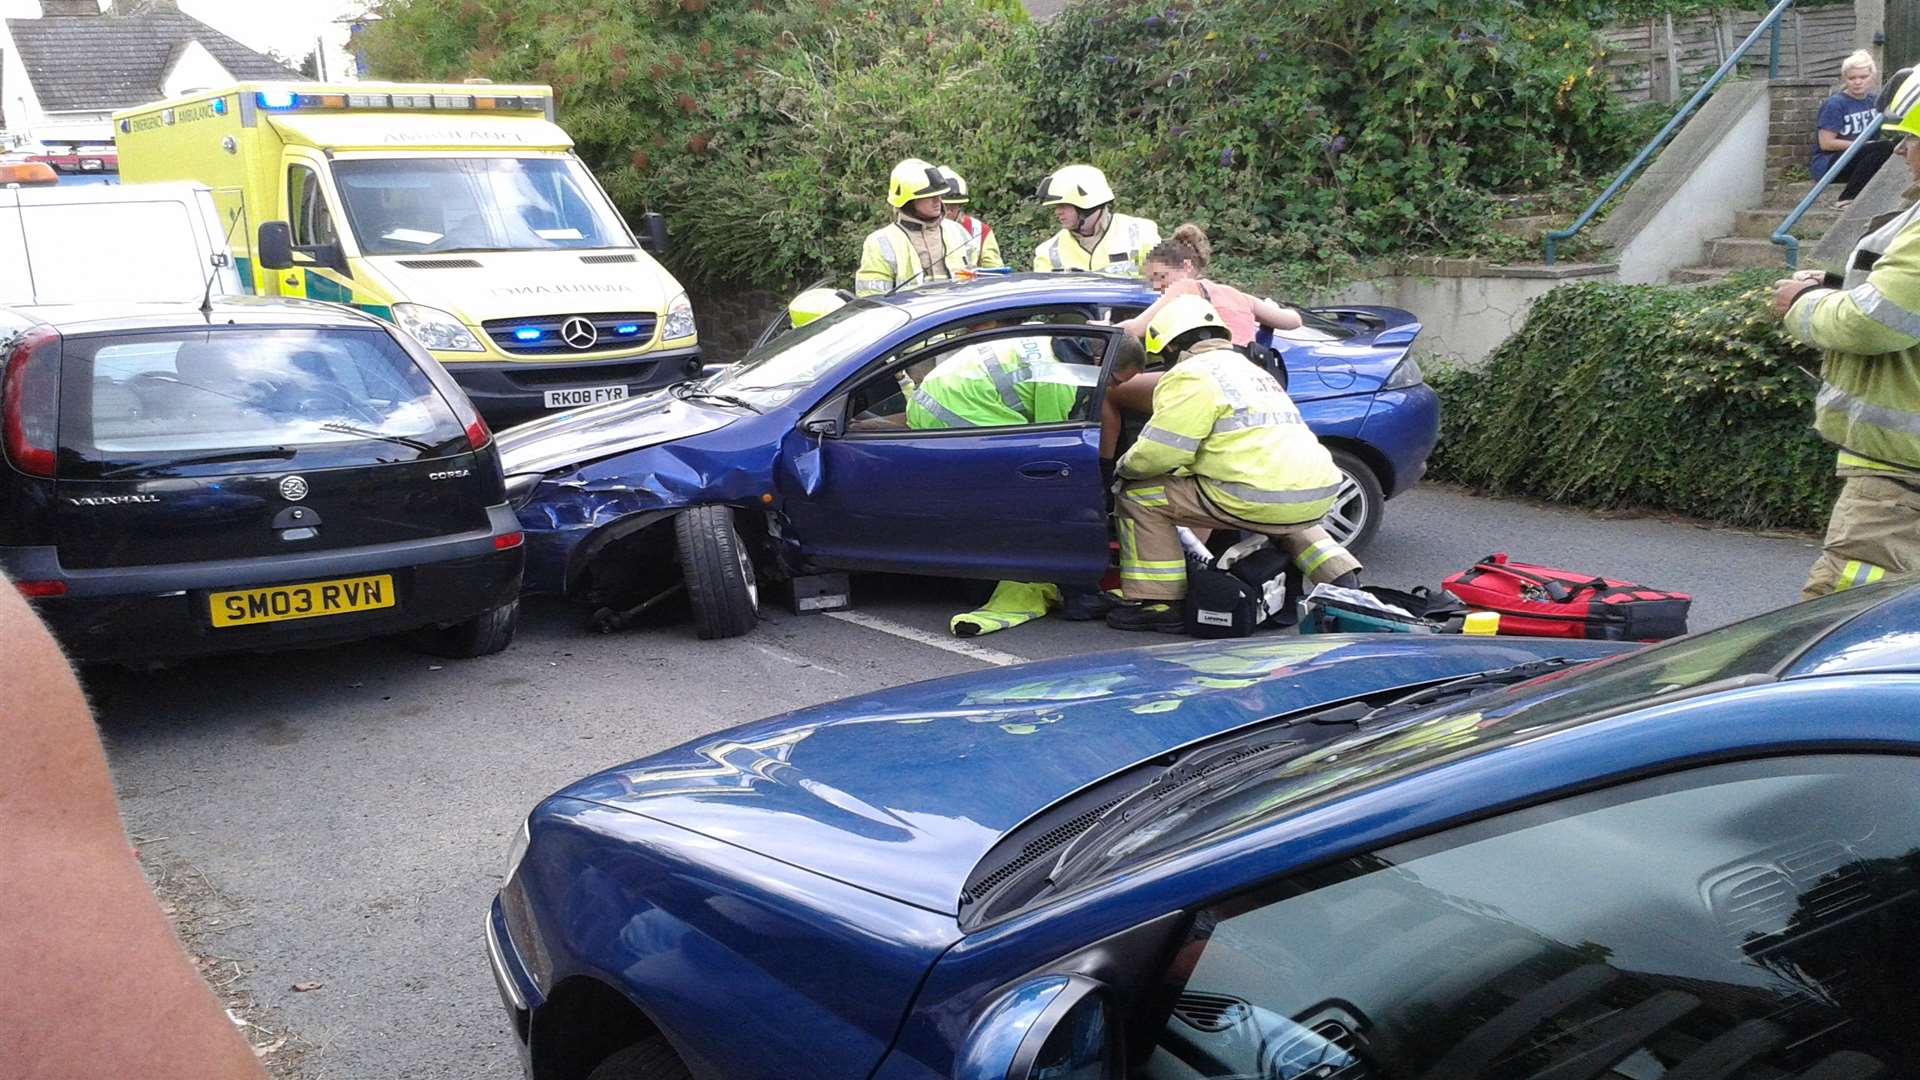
(648, 1059)
(718, 572)
(1360, 505)
(483, 635)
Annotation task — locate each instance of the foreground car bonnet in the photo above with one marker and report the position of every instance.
(578, 436)
(901, 792)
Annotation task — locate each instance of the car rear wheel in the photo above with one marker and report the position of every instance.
(649, 1059)
(483, 635)
(718, 572)
(1359, 507)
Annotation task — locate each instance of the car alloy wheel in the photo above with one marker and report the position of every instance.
(1359, 505)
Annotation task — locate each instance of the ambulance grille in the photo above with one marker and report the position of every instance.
(441, 264)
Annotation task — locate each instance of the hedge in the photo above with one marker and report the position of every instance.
(1690, 400)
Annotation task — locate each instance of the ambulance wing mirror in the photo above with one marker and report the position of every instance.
(654, 240)
(274, 249)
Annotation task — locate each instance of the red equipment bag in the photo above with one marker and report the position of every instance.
(1540, 601)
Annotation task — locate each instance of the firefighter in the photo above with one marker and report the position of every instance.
(921, 244)
(985, 252)
(1092, 236)
(1224, 448)
(1869, 400)
(1006, 381)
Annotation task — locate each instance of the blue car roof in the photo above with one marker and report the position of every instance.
(941, 298)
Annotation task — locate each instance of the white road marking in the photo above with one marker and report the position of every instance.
(796, 661)
(952, 645)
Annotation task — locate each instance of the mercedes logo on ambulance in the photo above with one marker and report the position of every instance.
(579, 333)
(293, 488)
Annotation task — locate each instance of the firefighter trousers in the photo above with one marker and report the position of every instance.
(1153, 565)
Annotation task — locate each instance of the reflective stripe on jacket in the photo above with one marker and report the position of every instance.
(1122, 250)
(888, 258)
(1869, 399)
(985, 252)
(1220, 417)
(999, 383)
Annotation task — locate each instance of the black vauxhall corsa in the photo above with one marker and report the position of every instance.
(255, 474)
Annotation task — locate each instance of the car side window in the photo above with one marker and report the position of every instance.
(1740, 921)
(307, 204)
(1047, 376)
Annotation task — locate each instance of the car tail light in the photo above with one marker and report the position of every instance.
(30, 402)
(41, 588)
(478, 435)
(508, 540)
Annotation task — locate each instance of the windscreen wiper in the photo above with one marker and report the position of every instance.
(368, 433)
(691, 391)
(264, 453)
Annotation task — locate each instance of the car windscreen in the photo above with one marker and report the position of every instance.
(198, 401)
(81, 252)
(406, 206)
(783, 367)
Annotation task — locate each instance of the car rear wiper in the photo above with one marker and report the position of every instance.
(691, 391)
(265, 453)
(369, 433)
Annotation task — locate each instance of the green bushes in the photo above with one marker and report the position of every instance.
(1304, 133)
(1637, 395)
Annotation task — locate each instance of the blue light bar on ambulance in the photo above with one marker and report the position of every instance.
(282, 100)
(627, 328)
(526, 333)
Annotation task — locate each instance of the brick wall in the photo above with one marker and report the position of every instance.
(1790, 138)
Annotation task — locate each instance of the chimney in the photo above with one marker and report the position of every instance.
(53, 8)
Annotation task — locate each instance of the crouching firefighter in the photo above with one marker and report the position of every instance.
(1226, 448)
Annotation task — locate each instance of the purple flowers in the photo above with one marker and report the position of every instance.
(1177, 130)
(1226, 157)
(1151, 20)
(1262, 55)
(1109, 58)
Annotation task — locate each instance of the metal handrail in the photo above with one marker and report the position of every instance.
(1791, 242)
(1552, 240)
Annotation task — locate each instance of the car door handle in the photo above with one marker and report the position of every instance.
(1044, 470)
(291, 279)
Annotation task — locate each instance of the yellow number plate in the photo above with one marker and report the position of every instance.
(282, 603)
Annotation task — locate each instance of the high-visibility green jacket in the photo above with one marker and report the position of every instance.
(1223, 419)
(985, 252)
(1869, 399)
(1121, 252)
(889, 258)
(998, 383)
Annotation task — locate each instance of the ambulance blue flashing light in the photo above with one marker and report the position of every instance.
(526, 333)
(275, 99)
(627, 328)
(219, 106)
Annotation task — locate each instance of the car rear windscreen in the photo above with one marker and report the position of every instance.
(82, 252)
(135, 403)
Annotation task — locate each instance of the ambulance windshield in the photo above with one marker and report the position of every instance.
(409, 206)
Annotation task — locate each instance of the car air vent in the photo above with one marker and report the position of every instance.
(1753, 902)
(441, 264)
(1034, 849)
(1336, 1033)
(1212, 1013)
(1812, 884)
(596, 260)
(1832, 878)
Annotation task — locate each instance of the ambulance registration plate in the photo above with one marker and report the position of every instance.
(585, 395)
(283, 603)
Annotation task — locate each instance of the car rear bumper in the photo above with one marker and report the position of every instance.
(510, 391)
(161, 612)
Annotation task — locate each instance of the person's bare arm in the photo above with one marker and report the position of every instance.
(1273, 315)
(1831, 140)
(96, 984)
(1137, 326)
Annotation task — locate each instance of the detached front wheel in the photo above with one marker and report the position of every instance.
(721, 586)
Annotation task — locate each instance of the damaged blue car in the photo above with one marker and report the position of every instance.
(801, 458)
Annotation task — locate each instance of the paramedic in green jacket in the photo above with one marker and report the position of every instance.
(1000, 383)
(1868, 404)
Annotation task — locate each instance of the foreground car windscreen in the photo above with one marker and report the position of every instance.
(770, 375)
(139, 403)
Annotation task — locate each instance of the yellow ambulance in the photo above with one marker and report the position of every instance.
(460, 212)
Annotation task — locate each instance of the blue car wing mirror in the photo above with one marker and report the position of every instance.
(1054, 1025)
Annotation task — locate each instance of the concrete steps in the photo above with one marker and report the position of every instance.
(1759, 224)
(1750, 243)
(1739, 251)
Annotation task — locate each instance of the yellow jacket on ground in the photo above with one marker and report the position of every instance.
(890, 259)
(1221, 418)
(1122, 250)
(1869, 399)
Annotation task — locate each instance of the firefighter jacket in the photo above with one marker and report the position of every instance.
(1121, 252)
(1221, 418)
(999, 383)
(1869, 399)
(890, 258)
(985, 252)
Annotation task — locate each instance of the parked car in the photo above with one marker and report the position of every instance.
(1352, 857)
(795, 459)
(252, 474)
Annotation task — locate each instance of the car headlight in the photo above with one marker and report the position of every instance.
(679, 320)
(1407, 374)
(517, 851)
(437, 330)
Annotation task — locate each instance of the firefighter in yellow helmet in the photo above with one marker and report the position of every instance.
(985, 252)
(1225, 448)
(1092, 236)
(1868, 406)
(920, 245)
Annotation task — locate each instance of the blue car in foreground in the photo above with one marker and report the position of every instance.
(1355, 857)
(797, 459)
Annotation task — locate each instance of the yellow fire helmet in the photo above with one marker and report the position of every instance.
(957, 191)
(914, 179)
(814, 304)
(1076, 185)
(1898, 100)
(1181, 316)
